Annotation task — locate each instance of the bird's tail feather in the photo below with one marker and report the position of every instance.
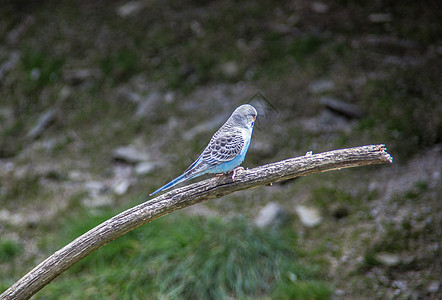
(177, 180)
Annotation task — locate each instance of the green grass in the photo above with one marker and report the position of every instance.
(19, 190)
(9, 249)
(179, 257)
(41, 69)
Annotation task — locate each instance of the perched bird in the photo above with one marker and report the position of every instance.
(226, 149)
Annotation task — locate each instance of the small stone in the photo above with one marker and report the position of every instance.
(230, 68)
(8, 65)
(310, 217)
(97, 201)
(43, 122)
(321, 86)
(6, 116)
(169, 97)
(433, 287)
(144, 168)
(388, 259)
(130, 154)
(76, 175)
(343, 108)
(121, 187)
(78, 76)
(65, 92)
(130, 8)
(272, 214)
(146, 104)
(94, 186)
(319, 7)
(379, 18)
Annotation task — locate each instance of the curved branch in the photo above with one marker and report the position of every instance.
(179, 198)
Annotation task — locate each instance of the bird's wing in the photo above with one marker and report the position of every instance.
(224, 146)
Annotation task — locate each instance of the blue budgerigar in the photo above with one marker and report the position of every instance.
(226, 149)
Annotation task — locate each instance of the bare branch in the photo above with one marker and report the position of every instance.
(179, 198)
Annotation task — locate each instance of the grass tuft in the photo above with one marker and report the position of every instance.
(192, 258)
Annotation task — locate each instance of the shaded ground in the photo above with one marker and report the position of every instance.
(161, 77)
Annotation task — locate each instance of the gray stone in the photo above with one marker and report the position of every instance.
(97, 201)
(272, 214)
(121, 187)
(433, 287)
(146, 105)
(388, 259)
(130, 8)
(343, 108)
(9, 64)
(229, 69)
(130, 154)
(319, 7)
(310, 217)
(379, 18)
(321, 86)
(144, 168)
(78, 76)
(42, 123)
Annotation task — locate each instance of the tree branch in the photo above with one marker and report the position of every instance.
(179, 198)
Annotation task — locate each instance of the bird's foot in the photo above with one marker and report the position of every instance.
(235, 170)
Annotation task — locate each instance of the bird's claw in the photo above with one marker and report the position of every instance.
(235, 170)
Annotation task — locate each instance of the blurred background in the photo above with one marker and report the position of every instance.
(102, 102)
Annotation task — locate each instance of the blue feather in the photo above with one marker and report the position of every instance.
(177, 180)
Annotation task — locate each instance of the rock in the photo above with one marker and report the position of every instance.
(14, 36)
(319, 7)
(229, 69)
(95, 188)
(272, 215)
(343, 108)
(379, 18)
(130, 154)
(78, 76)
(75, 175)
(121, 187)
(65, 92)
(130, 8)
(6, 116)
(433, 287)
(387, 259)
(197, 29)
(97, 201)
(144, 168)
(145, 106)
(9, 64)
(310, 217)
(43, 122)
(321, 86)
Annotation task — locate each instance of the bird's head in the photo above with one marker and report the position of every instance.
(244, 116)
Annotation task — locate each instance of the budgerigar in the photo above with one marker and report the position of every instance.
(226, 149)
